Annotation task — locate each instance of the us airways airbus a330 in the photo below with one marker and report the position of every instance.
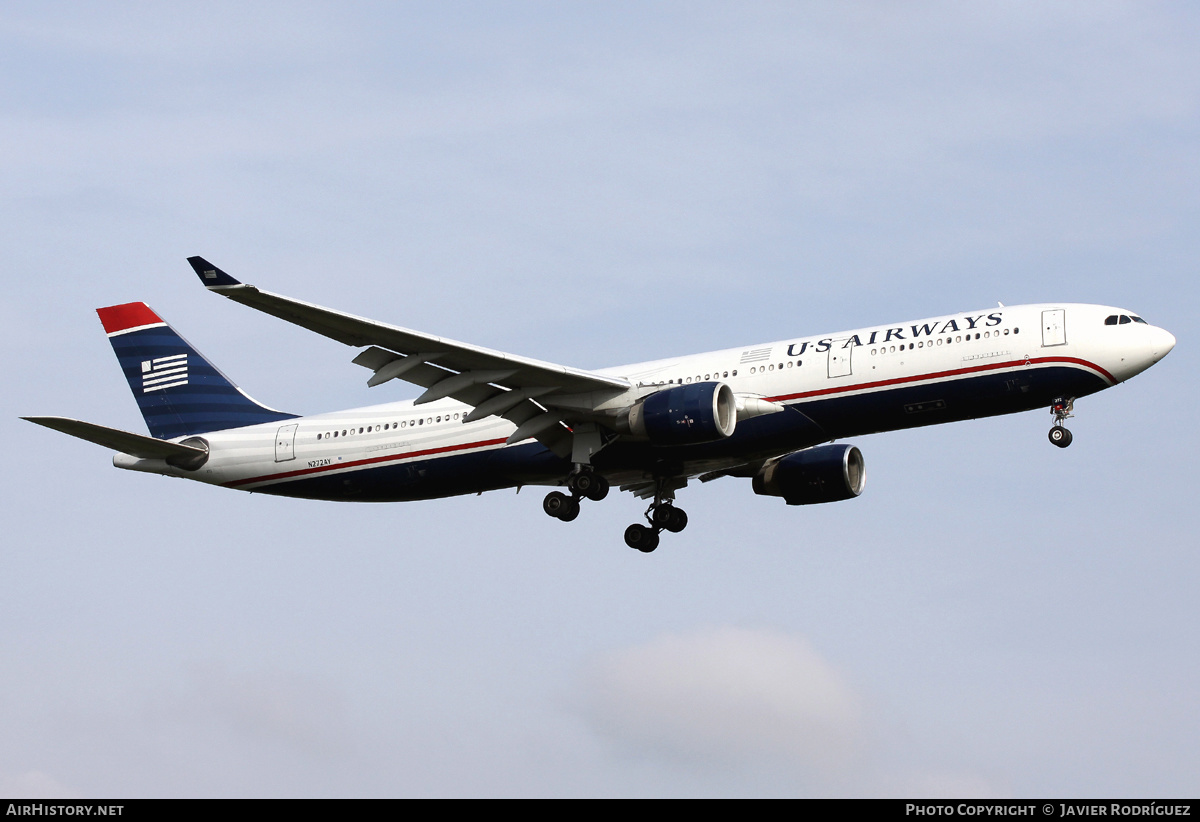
(486, 420)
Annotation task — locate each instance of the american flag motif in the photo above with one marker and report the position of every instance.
(164, 372)
(756, 355)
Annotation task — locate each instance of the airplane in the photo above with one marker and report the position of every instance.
(773, 413)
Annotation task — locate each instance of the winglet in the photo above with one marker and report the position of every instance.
(209, 274)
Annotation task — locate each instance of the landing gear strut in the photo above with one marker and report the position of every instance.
(662, 516)
(584, 484)
(1061, 410)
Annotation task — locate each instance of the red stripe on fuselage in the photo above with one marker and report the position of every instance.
(122, 317)
(937, 375)
(802, 395)
(337, 466)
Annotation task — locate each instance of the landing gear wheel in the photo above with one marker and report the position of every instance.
(1060, 436)
(588, 484)
(582, 483)
(599, 489)
(669, 518)
(557, 503)
(570, 510)
(678, 520)
(642, 538)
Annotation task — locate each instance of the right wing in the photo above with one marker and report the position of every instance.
(540, 398)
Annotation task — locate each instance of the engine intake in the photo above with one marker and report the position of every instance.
(685, 415)
(827, 473)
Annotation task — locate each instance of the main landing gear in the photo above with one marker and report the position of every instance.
(583, 484)
(1061, 410)
(662, 516)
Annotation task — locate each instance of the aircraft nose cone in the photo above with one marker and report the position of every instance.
(1161, 343)
(1164, 341)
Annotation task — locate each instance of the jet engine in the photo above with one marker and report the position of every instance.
(684, 415)
(827, 473)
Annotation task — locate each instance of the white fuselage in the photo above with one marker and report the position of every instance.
(1010, 348)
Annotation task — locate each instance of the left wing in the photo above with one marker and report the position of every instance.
(540, 398)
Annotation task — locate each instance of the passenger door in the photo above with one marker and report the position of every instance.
(1054, 327)
(285, 443)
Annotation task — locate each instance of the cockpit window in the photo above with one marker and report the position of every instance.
(1139, 320)
(1125, 320)
(1111, 319)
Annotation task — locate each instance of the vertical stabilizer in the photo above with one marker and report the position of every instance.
(179, 392)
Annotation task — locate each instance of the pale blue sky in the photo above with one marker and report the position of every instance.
(595, 184)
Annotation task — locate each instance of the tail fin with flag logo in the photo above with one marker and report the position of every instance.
(179, 392)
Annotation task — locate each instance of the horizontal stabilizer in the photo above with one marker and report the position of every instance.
(136, 445)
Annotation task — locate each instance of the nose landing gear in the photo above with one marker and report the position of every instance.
(1061, 409)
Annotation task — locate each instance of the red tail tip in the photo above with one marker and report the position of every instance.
(123, 317)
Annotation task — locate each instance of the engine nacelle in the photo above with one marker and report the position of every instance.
(827, 473)
(685, 415)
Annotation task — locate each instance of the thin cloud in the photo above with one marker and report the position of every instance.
(727, 696)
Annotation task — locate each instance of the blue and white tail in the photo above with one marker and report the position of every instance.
(179, 392)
